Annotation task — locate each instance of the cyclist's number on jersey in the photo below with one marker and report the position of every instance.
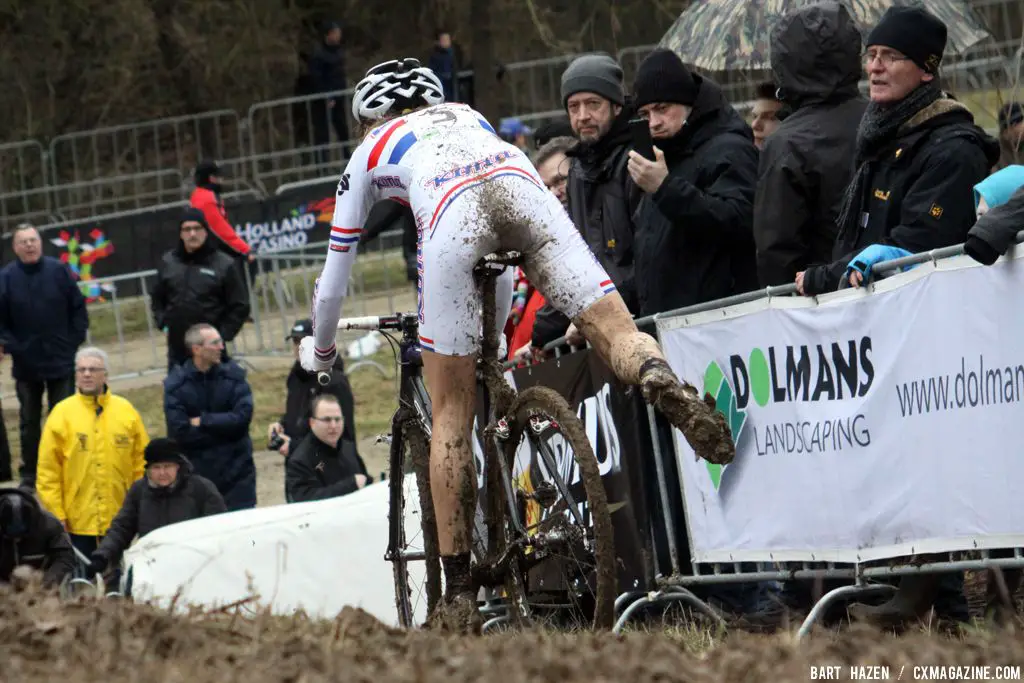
(443, 116)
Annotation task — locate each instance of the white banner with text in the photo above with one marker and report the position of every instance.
(868, 423)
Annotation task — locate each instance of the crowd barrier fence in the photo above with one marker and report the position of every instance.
(919, 535)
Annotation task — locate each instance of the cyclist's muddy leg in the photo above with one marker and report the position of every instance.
(608, 326)
(636, 358)
(451, 381)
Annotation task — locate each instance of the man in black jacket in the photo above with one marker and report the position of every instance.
(303, 388)
(918, 157)
(694, 239)
(29, 535)
(601, 197)
(197, 283)
(324, 465)
(43, 321)
(327, 74)
(168, 493)
(806, 165)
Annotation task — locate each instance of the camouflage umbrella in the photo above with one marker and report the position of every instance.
(733, 35)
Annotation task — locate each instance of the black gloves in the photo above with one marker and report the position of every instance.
(97, 564)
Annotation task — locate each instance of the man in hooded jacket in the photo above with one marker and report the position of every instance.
(806, 164)
(918, 156)
(29, 535)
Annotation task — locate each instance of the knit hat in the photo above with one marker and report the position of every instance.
(598, 74)
(998, 187)
(662, 77)
(205, 169)
(916, 33)
(192, 214)
(163, 450)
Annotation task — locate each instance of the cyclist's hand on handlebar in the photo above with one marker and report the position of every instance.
(310, 361)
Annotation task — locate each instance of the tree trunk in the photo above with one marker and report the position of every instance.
(485, 79)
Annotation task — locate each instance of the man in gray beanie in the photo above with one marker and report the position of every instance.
(601, 198)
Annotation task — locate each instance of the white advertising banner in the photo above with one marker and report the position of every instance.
(868, 424)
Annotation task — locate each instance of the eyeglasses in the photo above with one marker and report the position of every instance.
(192, 228)
(330, 420)
(93, 371)
(886, 58)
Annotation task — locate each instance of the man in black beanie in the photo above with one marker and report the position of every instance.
(600, 197)
(918, 157)
(694, 240)
(170, 492)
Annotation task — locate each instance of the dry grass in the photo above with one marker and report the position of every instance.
(43, 639)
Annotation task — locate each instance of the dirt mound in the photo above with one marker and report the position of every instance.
(44, 639)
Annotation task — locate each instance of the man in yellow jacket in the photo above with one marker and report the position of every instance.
(90, 454)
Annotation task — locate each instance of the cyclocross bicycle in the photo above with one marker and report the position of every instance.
(542, 536)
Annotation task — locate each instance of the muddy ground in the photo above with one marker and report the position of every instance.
(43, 639)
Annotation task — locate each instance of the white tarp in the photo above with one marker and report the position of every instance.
(318, 557)
(868, 424)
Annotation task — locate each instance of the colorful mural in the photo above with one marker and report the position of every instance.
(80, 256)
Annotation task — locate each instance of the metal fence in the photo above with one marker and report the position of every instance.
(293, 139)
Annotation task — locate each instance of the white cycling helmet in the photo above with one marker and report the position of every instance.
(397, 84)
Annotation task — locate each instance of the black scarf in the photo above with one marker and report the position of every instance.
(880, 125)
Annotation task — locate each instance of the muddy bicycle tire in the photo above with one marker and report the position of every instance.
(539, 400)
(410, 446)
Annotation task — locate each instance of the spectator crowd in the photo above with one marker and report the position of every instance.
(818, 187)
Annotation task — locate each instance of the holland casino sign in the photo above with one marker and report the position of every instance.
(280, 235)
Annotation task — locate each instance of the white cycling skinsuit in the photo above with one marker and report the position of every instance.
(471, 194)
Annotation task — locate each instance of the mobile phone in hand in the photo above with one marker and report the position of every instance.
(641, 134)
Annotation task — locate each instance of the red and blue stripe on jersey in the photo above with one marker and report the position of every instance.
(452, 194)
(404, 140)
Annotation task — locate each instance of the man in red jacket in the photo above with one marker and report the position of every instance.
(206, 198)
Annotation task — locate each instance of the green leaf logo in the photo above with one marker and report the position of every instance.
(716, 384)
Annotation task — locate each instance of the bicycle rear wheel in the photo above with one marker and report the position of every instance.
(574, 530)
(415, 591)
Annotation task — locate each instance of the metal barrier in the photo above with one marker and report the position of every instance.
(113, 194)
(677, 586)
(536, 85)
(175, 142)
(20, 199)
(293, 138)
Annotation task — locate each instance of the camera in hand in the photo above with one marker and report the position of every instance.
(276, 441)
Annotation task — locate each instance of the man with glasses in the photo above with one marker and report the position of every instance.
(208, 406)
(918, 155)
(302, 389)
(91, 452)
(323, 465)
(197, 283)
